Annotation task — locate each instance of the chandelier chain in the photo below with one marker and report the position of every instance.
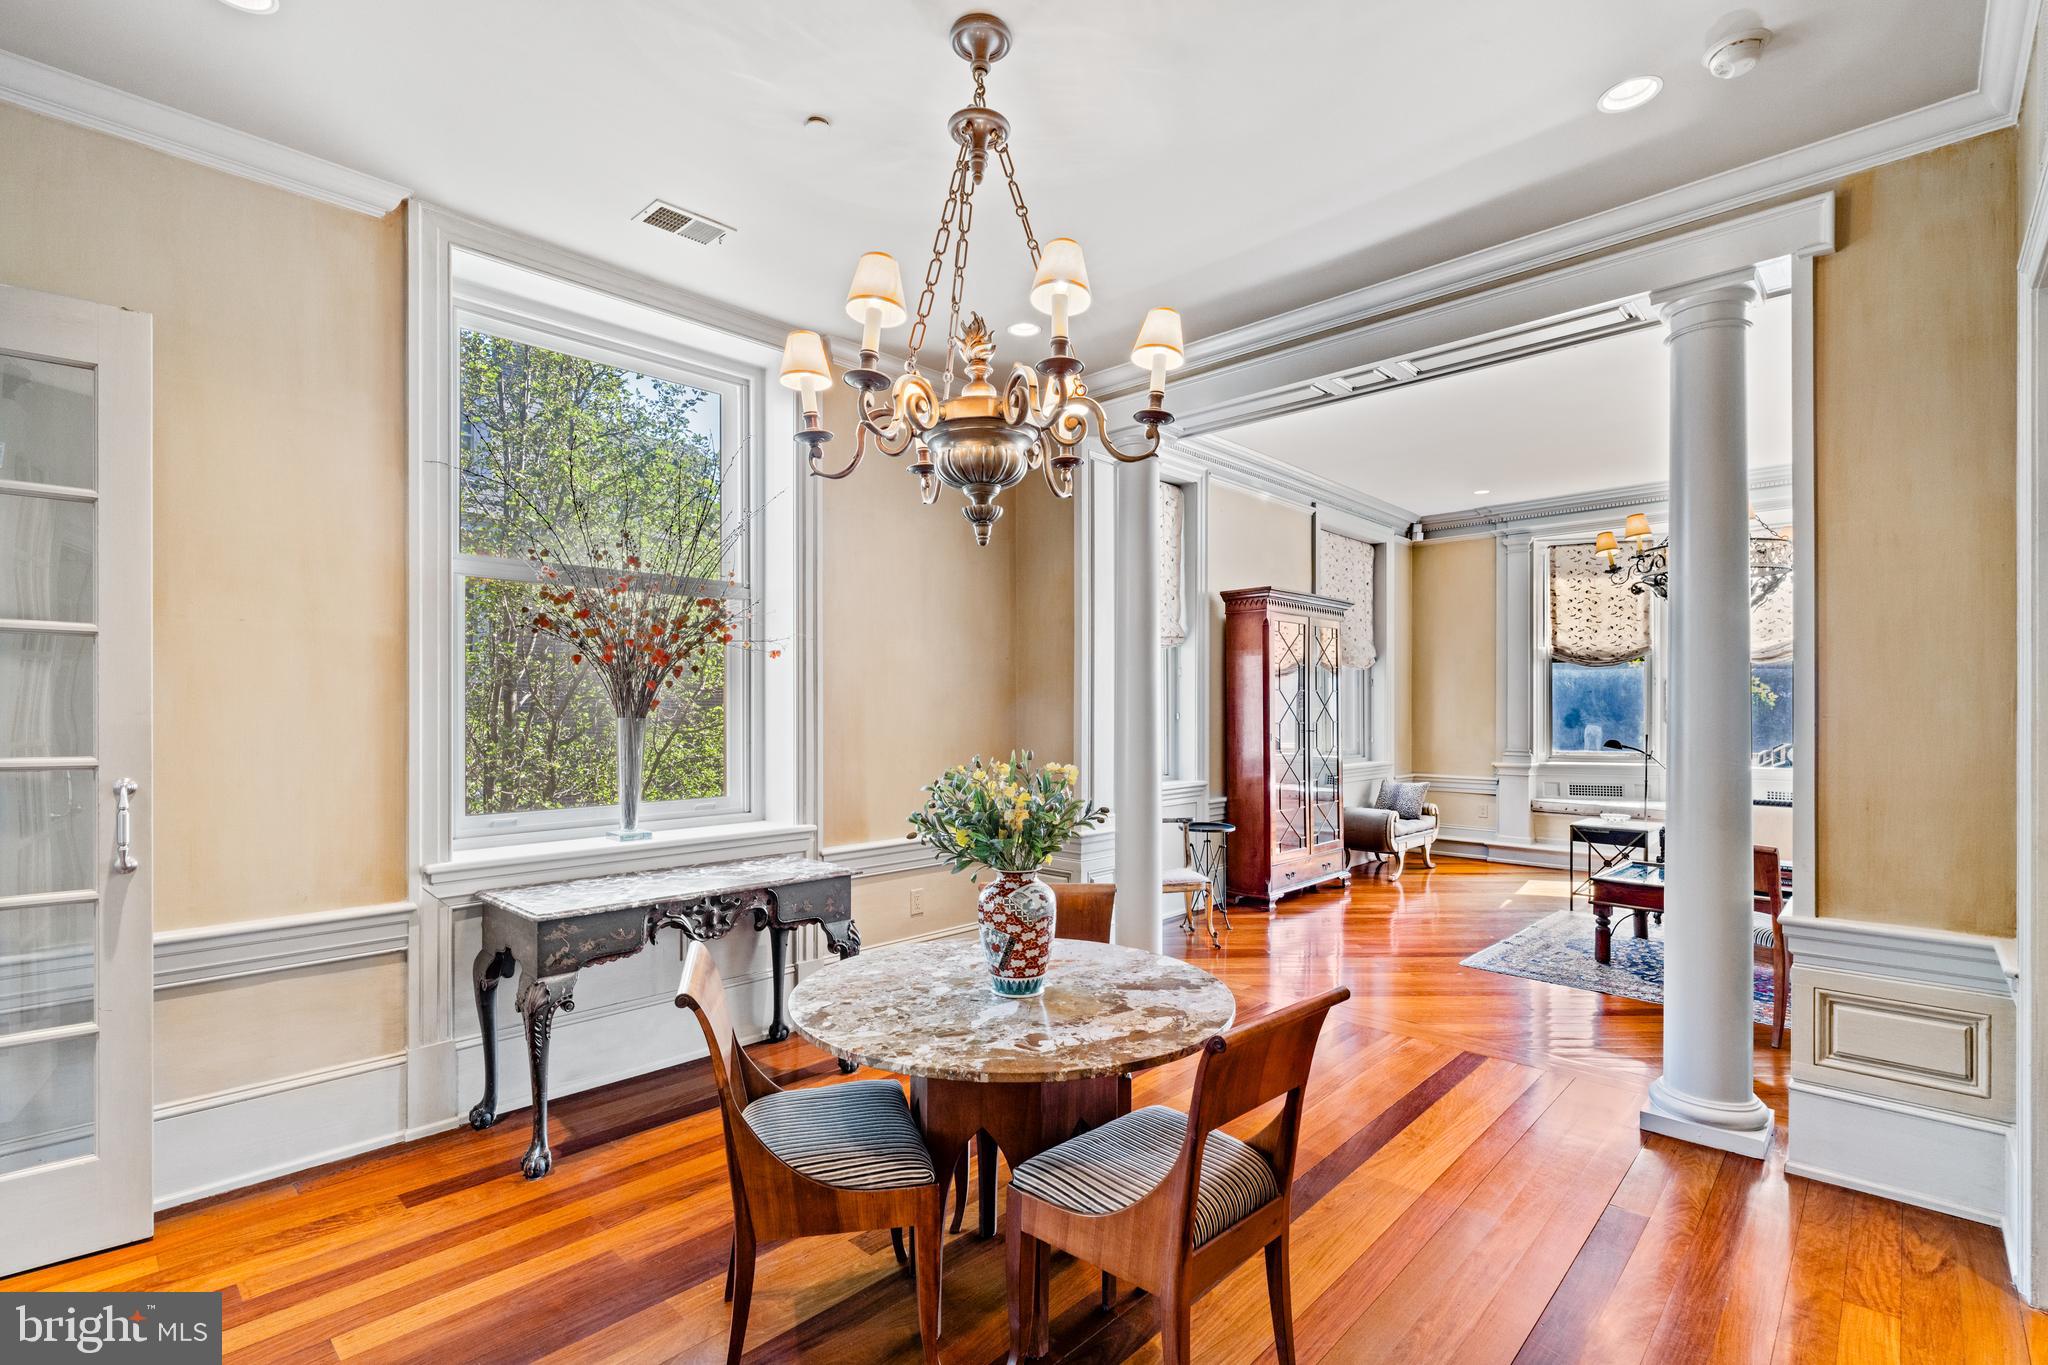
(1017, 199)
(953, 334)
(940, 241)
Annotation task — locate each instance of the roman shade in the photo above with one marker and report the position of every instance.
(1344, 571)
(1594, 621)
(1770, 616)
(1173, 616)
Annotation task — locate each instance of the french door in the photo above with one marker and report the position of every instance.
(75, 1081)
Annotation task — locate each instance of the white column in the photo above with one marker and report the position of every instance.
(1707, 1093)
(1514, 701)
(1135, 808)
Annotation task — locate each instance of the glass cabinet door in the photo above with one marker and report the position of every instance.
(1289, 713)
(1325, 758)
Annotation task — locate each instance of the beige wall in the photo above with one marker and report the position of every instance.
(279, 527)
(1042, 608)
(279, 509)
(1914, 464)
(918, 644)
(1452, 606)
(1254, 542)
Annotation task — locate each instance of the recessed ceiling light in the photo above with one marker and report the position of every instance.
(252, 6)
(1633, 93)
(1481, 492)
(1023, 329)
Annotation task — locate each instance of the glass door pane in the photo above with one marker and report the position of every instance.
(1290, 755)
(1325, 762)
(49, 775)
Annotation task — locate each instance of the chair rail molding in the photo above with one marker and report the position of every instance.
(1902, 952)
(73, 99)
(222, 952)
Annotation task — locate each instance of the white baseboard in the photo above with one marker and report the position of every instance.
(1489, 847)
(1951, 1163)
(223, 1141)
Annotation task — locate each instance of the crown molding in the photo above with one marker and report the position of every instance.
(1563, 507)
(1244, 467)
(88, 104)
(1994, 104)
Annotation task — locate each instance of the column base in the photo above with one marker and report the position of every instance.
(1744, 1129)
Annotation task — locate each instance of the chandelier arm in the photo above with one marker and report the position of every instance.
(1102, 434)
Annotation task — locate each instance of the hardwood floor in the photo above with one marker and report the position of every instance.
(1472, 1187)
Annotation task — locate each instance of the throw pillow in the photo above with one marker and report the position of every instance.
(1403, 798)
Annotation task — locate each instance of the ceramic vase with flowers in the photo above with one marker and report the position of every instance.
(1004, 816)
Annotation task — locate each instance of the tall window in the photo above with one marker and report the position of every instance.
(563, 446)
(1770, 653)
(1344, 570)
(1174, 597)
(1599, 666)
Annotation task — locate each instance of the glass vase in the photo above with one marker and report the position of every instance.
(632, 757)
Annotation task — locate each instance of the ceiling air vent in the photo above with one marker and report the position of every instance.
(679, 222)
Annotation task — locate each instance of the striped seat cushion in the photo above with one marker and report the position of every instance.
(857, 1135)
(1116, 1165)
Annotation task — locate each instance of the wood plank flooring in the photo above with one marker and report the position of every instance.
(1472, 1187)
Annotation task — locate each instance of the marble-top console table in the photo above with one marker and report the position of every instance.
(551, 931)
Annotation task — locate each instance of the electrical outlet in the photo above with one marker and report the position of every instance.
(916, 902)
(1486, 810)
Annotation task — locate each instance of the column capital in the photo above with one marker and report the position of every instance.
(1738, 287)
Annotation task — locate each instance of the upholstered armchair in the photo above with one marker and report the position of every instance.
(1373, 831)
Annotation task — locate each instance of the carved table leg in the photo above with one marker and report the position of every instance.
(778, 952)
(538, 1001)
(844, 938)
(1603, 934)
(491, 963)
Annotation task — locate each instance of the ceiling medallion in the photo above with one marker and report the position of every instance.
(984, 439)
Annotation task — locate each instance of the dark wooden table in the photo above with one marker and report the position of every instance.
(550, 932)
(1636, 887)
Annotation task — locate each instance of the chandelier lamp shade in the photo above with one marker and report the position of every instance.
(984, 438)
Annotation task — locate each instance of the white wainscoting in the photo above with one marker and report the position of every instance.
(238, 1136)
(1904, 1077)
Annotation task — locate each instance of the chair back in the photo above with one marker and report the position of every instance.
(1245, 1069)
(739, 1081)
(1083, 910)
(1769, 882)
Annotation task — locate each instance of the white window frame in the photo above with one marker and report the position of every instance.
(552, 328)
(1603, 765)
(1184, 672)
(643, 322)
(1377, 684)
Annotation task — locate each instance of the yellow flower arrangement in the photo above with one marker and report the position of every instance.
(1003, 814)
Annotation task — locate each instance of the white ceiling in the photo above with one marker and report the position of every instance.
(1589, 417)
(1232, 159)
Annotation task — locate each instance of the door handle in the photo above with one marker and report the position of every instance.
(124, 853)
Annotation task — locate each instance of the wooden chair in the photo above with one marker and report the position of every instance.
(1164, 1199)
(804, 1163)
(1082, 911)
(1768, 898)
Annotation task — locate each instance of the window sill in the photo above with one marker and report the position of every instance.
(465, 874)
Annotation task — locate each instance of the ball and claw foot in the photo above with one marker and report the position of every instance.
(482, 1117)
(537, 1162)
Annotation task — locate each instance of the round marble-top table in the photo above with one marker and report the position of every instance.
(1028, 1072)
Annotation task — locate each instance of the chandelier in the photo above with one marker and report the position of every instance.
(1648, 565)
(983, 439)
